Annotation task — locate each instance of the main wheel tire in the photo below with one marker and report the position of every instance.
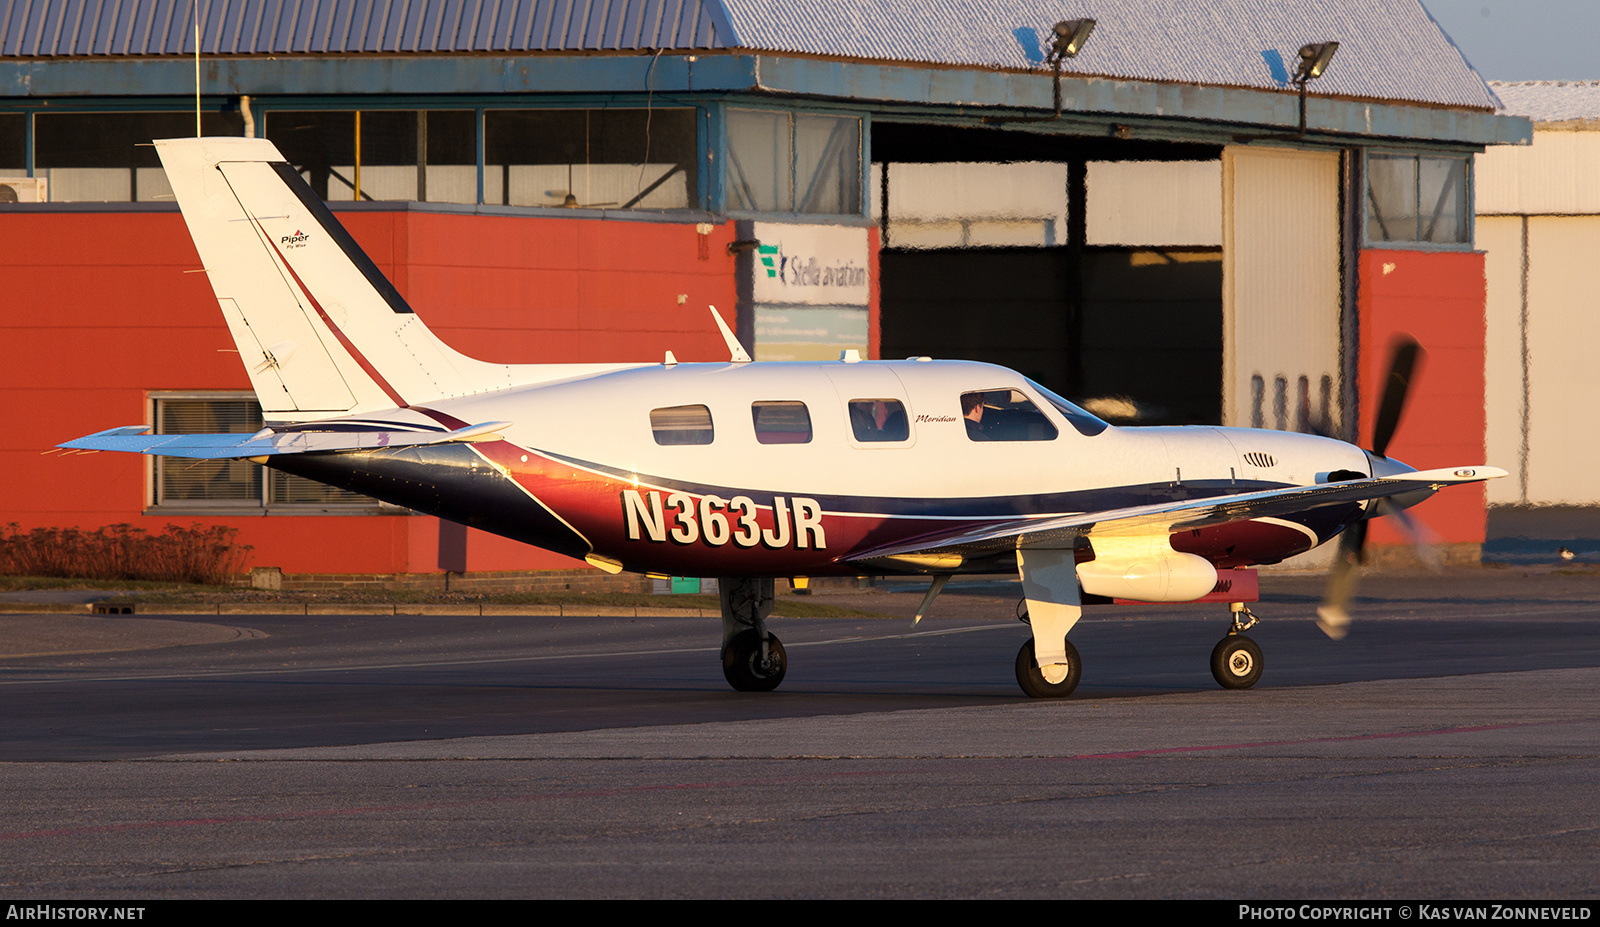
(743, 667)
(1236, 662)
(1032, 680)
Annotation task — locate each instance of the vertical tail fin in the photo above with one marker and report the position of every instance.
(319, 328)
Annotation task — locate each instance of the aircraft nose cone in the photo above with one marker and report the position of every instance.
(1385, 466)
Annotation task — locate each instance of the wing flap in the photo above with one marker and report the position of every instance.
(1064, 531)
(136, 439)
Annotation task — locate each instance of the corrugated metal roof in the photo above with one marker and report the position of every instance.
(1389, 49)
(1550, 100)
(45, 28)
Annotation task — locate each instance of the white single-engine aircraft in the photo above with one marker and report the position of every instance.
(751, 471)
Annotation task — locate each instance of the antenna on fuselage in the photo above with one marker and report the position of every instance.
(739, 356)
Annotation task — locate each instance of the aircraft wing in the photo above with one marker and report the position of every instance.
(137, 439)
(1064, 531)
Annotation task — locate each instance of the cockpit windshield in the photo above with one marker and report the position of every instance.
(1086, 423)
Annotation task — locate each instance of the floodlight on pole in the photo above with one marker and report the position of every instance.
(1314, 59)
(1070, 36)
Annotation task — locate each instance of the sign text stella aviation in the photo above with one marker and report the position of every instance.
(817, 265)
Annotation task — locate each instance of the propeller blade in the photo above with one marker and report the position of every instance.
(1417, 535)
(1333, 616)
(1402, 366)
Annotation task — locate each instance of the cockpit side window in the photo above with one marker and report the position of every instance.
(681, 425)
(1004, 415)
(1087, 423)
(781, 422)
(876, 420)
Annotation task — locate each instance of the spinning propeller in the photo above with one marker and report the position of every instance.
(1333, 617)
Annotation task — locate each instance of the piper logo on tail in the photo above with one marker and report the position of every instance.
(294, 241)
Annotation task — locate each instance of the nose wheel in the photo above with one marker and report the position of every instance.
(1236, 662)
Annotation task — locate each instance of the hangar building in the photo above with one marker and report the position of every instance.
(1539, 226)
(1166, 226)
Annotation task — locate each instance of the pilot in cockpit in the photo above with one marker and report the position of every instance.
(972, 411)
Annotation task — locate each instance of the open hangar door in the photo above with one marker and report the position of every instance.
(1092, 265)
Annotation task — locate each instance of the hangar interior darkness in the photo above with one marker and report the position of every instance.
(990, 233)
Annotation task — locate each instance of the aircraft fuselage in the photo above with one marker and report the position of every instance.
(774, 477)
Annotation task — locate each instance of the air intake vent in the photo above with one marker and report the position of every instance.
(1258, 459)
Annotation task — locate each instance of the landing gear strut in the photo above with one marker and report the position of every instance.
(1236, 660)
(753, 659)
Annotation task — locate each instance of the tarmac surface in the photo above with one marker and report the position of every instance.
(1446, 750)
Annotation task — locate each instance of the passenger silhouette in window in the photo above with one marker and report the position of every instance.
(877, 420)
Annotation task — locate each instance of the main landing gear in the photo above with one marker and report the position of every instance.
(1056, 681)
(753, 659)
(1236, 660)
(1060, 675)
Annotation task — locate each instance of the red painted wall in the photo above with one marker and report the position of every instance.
(1438, 298)
(98, 310)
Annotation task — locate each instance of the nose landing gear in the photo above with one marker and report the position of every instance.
(1236, 660)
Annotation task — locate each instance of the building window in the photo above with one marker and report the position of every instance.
(793, 163)
(781, 422)
(13, 144)
(407, 155)
(591, 158)
(15, 185)
(1418, 199)
(231, 484)
(108, 158)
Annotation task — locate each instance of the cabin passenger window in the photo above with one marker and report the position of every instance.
(878, 420)
(781, 422)
(1004, 415)
(681, 425)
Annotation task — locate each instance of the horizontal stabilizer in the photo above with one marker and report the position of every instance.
(1062, 531)
(268, 443)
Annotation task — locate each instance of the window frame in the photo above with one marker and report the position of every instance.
(263, 504)
(727, 181)
(1416, 157)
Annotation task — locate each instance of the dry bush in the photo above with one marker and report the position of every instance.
(197, 554)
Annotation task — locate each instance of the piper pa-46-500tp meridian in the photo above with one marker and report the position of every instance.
(750, 471)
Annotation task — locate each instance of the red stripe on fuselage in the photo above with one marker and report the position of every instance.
(592, 503)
